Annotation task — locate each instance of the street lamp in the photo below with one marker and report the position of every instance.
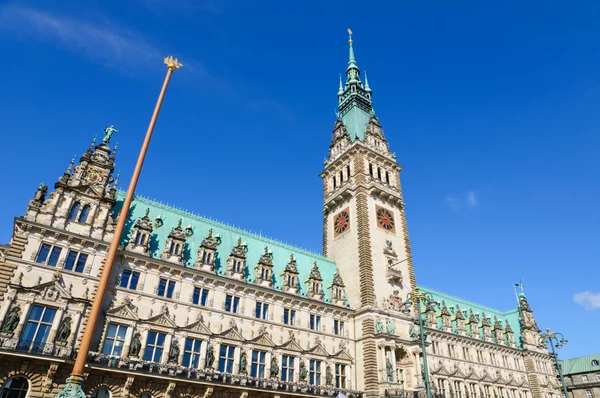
(552, 338)
(419, 298)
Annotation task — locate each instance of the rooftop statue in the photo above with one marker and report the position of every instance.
(108, 132)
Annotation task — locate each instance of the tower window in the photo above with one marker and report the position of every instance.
(387, 177)
(334, 183)
(341, 176)
(371, 169)
(75, 261)
(348, 171)
(379, 173)
(74, 210)
(43, 258)
(84, 214)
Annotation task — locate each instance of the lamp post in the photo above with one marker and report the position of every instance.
(419, 298)
(552, 338)
(73, 387)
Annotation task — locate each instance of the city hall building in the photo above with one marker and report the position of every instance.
(199, 309)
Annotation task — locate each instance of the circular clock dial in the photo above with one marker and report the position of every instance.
(92, 176)
(341, 222)
(385, 219)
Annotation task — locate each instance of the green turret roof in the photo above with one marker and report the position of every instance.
(229, 238)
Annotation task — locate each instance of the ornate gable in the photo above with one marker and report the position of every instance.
(315, 283)
(125, 311)
(291, 345)
(343, 355)
(53, 290)
(318, 350)
(198, 326)
(162, 319)
(232, 334)
(262, 339)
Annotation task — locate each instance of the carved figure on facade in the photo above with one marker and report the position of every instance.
(393, 271)
(243, 364)
(136, 345)
(210, 356)
(64, 330)
(40, 194)
(274, 368)
(413, 333)
(108, 132)
(315, 283)
(390, 326)
(11, 321)
(389, 370)
(379, 328)
(290, 275)
(303, 371)
(394, 302)
(328, 376)
(174, 351)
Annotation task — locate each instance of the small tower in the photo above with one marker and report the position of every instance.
(461, 327)
(530, 333)
(446, 318)
(264, 269)
(84, 195)
(338, 293)
(473, 326)
(315, 283)
(498, 333)
(486, 326)
(236, 263)
(205, 256)
(141, 234)
(175, 245)
(290, 276)
(510, 335)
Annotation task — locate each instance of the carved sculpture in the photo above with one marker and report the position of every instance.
(174, 351)
(11, 321)
(303, 371)
(274, 368)
(413, 333)
(379, 326)
(210, 356)
(64, 330)
(243, 364)
(389, 369)
(328, 376)
(391, 328)
(40, 194)
(136, 346)
(109, 131)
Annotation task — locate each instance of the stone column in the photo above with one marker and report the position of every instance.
(4, 309)
(202, 361)
(348, 377)
(167, 347)
(393, 359)
(217, 354)
(236, 360)
(268, 359)
(381, 367)
(58, 317)
(128, 339)
(144, 335)
(181, 341)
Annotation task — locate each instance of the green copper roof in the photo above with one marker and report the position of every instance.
(229, 236)
(453, 302)
(355, 106)
(580, 365)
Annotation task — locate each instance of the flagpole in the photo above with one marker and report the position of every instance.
(73, 387)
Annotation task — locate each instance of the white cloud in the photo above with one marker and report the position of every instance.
(467, 201)
(588, 300)
(104, 42)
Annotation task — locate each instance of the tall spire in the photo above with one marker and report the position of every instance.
(354, 105)
(341, 89)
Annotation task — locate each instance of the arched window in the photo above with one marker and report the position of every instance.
(101, 393)
(145, 395)
(84, 213)
(16, 387)
(74, 211)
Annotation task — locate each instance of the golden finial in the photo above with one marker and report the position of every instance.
(172, 63)
(350, 34)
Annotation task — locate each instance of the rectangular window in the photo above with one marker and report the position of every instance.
(37, 328)
(154, 346)
(436, 347)
(258, 364)
(200, 296)
(262, 311)
(493, 358)
(584, 378)
(289, 316)
(338, 327)
(479, 356)
(191, 353)
(226, 358)
(458, 389)
(315, 322)
(232, 303)
(166, 288)
(115, 339)
(466, 354)
(340, 375)
(287, 368)
(130, 279)
(451, 351)
(75, 261)
(314, 372)
(43, 258)
(598, 377)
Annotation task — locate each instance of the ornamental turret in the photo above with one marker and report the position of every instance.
(236, 263)
(290, 276)
(175, 245)
(264, 269)
(205, 256)
(139, 241)
(461, 327)
(315, 283)
(473, 326)
(338, 293)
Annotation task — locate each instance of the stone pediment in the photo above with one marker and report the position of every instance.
(486, 377)
(457, 372)
(471, 373)
(262, 339)
(162, 319)
(88, 190)
(500, 379)
(441, 370)
(52, 290)
(232, 334)
(343, 355)
(291, 345)
(198, 327)
(124, 311)
(318, 350)
(512, 382)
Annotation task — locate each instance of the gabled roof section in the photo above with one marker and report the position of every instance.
(510, 318)
(229, 236)
(586, 364)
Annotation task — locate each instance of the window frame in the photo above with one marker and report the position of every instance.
(226, 358)
(314, 372)
(191, 356)
(114, 339)
(340, 375)
(287, 368)
(232, 303)
(154, 346)
(76, 265)
(261, 310)
(315, 322)
(338, 327)
(201, 298)
(289, 316)
(52, 248)
(257, 368)
(167, 290)
(129, 280)
(35, 343)
(22, 392)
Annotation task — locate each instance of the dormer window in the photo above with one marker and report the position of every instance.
(337, 289)
(175, 249)
(74, 210)
(264, 269)
(141, 233)
(290, 276)
(174, 245)
(140, 238)
(205, 256)
(237, 260)
(387, 177)
(315, 283)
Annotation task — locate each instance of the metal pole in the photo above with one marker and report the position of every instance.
(73, 387)
(560, 375)
(425, 367)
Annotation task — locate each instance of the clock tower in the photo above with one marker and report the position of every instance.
(364, 221)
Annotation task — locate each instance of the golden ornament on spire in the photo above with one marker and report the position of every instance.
(172, 63)
(350, 34)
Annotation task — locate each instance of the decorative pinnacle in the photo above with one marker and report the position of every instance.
(367, 88)
(341, 90)
(349, 36)
(172, 63)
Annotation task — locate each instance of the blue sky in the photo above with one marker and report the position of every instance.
(492, 110)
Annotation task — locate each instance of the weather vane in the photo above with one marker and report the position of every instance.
(172, 63)
(350, 34)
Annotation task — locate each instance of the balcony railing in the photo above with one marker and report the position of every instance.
(36, 348)
(173, 370)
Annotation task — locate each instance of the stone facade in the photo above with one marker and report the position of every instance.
(196, 308)
(582, 376)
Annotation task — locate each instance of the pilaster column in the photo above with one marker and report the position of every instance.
(393, 359)
(167, 348)
(217, 354)
(381, 367)
(202, 361)
(58, 317)
(144, 334)
(24, 315)
(236, 360)
(348, 377)
(268, 359)
(4, 309)
(181, 341)
(76, 320)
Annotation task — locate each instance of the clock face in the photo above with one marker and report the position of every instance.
(341, 222)
(92, 176)
(385, 219)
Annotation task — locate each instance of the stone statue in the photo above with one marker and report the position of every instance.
(40, 194)
(451, 392)
(379, 326)
(390, 253)
(243, 364)
(328, 376)
(389, 369)
(64, 330)
(109, 131)
(303, 371)
(274, 368)
(413, 333)
(136, 346)
(391, 328)
(210, 356)
(11, 321)
(174, 351)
